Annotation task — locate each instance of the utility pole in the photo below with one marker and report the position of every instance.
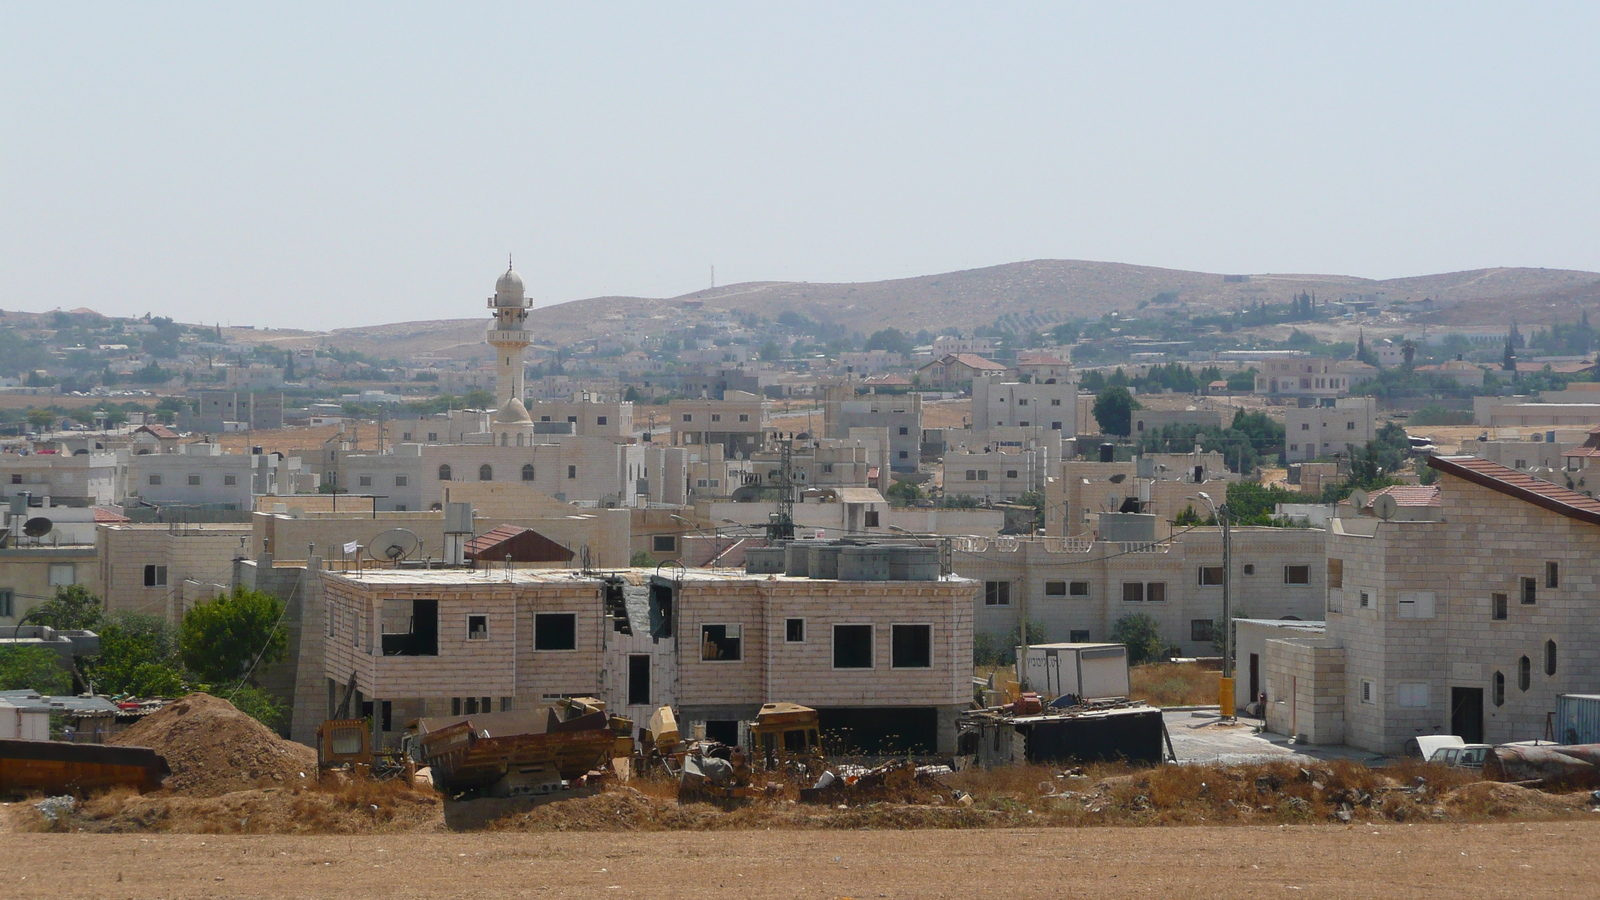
(1224, 516)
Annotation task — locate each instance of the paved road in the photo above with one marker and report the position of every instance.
(1198, 736)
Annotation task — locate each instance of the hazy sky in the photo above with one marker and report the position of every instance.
(324, 165)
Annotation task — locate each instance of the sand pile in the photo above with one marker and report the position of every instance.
(213, 749)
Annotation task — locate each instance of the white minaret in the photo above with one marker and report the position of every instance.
(509, 338)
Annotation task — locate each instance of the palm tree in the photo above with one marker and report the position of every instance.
(1408, 347)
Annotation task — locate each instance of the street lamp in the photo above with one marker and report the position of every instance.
(1223, 515)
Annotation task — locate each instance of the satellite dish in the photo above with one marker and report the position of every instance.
(1111, 501)
(38, 526)
(1118, 478)
(1385, 506)
(1358, 499)
(393, 545)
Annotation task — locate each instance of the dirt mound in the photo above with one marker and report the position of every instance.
(1498, 800)
(214, 749)
(358, 807)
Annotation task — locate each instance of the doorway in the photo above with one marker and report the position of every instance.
(1255, 678)
(639, 679)
(1466, 714)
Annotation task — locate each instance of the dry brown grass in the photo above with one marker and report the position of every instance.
(1175, 684)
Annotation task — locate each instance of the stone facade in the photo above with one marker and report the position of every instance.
(1319, 431)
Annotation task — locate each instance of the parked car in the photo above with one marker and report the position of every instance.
(1466, 756)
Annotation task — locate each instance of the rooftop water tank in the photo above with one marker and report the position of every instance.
(913, 564)
(870, 563)
(764, 560)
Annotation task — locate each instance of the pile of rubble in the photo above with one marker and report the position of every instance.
(214, 749)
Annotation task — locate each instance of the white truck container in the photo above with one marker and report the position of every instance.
(1087, 671)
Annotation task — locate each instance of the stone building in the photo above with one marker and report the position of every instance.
(1318, 431)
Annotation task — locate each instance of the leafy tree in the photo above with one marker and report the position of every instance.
(903, 492)
(41, 419)
(641, 559)
(255, 703)
(1241, 382)
(73, 608)
(221, 640)
(1113, 409)
(770, 352)
(477, 399)
(33, 669)
(138, 656)
(891, 339)
(1142, 636)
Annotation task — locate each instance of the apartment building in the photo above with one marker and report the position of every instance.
(845, 413)
(738, 422)
(588, 414)
(1080, 587)
(91, 478)
(164, 570)
(1469, 621)
(197, 474)
(1163, 484)
(1051, 405)
(1305, 378)
(996, 474)
(1317, 431)
(31, 573)
(879, 658)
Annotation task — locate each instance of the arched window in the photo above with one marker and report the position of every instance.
(519, 439)
(1549, 657)
(1499, 694)
(444, 472)
(485, 473)
(527, 472)
(1524, 673)
(504, 437)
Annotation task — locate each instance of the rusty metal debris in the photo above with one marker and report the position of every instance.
(1092, 731)
(58, 767)
(1572, 765)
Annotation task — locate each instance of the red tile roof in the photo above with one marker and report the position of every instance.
(975, 361)
(491, 538)
(1410, 495)
(103, 516)
(160, 431)
(1040, 359)
(1512, 483)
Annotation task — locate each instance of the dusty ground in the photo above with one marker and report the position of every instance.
(1446, 861)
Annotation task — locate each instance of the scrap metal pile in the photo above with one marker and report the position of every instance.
(1026, 730)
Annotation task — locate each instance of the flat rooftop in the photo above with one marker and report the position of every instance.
(492, 575)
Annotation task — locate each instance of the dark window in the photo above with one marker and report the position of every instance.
(997, 593)
(365, 481)
(871, 518)
(400, 481)
(1552, 575)
(1078, 589)
(1249, 568)
(1202, 630)
(600, 420)
(1336, 573)
(194, 479)
(410, 628)
(444, 473)
(1524, 673)
(1296, 574)
(721, 642)
(455, 706)
(527, 472)
(1366, 600)
(572, 419)
(230, 479)
(5, 603)
(1155, 592)
(688, 418)
(1210, 575)
(904, 430)
(852, 646)
(555, 631)
(572, 471)
(154, 479)
(1133, 592)
(155, 576)
(1055, 588)
(1079, 636)
(794, 630)
(1550, 657)
(1497, 605)
(1055, 426)
(1499, 694)
(477, 628)
(16, 478)
(485, 472)
(911, 646)
(905, 454)
(664, 543)
(1530, 591)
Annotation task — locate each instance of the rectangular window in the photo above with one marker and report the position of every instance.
(230, 479)
(722, 643)
(572, 471)
(1350, 426)
(1498, 610)
(1335, 573)
(688, 418)
(572, 419)
(1552, 575)
(1055, 588)
(1249, 568)
(1210, 575)
(1412, 694)
(1055, 426)
(904, 430)
(1078, 589)
(1530, 591)
(455, 706)
(983, 474)
(1012, 473)
(1133, 592)
(744, 417)
(852, 646)
(477, 628)
(365, 481)
(155, 576)
(1366, 600)
(1369, 691)
(972, 474)
(1155, 592)
(1055, 401)
(63, 574)
(410, 627)
(1079, 636)
(997, 593)
(1305, 426)
(911, 646)
(433, 435)
(16, 478)
(1022, 402)
(155, 479)
(600, 420)
(5, 604)
(1415, 604)
(555, 631)
(664, 543)
(870, 518)
(794, 631)
(1202, 630)
(1296, 574)
(194, 479)
(400, 481)
(716, 417)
